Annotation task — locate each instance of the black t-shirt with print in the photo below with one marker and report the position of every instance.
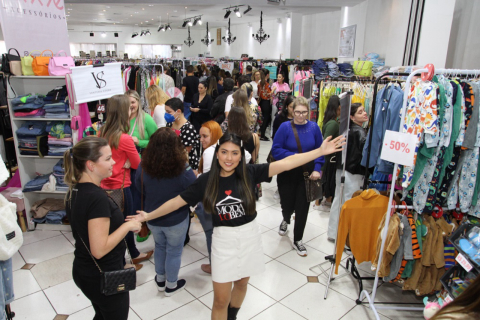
(229, 208)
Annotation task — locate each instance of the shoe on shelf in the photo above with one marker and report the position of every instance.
(160, 285)
(144, 258)
(180, 286)
(283, 228)
(276, 195)
(207, 268)
(301, 250)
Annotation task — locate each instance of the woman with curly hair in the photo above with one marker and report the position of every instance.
(162, 175)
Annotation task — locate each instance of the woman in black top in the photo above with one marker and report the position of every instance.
(227, 192)
(97, 224)
(201, 106)
(285, 115)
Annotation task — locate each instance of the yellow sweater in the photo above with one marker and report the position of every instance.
(359, 221)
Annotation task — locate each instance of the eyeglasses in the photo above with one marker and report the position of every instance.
(300, 113)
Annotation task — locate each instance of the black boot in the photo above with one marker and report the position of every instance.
(232, 313)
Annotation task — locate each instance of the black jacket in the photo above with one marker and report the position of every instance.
(356, 140)
(218, 110)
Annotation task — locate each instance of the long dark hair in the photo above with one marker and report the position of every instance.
(284, 113)
(117, 119)
(238, 122)
(332, 107)
(165, 155)
(242, 179)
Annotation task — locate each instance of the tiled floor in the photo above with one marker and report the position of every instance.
(281, 293)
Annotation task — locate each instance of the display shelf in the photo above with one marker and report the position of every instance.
(48, 192)
(461, 232)
(41, 119)
(38, 157)
(38, 77)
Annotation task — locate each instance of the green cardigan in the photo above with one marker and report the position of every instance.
(150, 128)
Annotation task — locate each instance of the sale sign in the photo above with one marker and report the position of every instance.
(29, 25)
(92, 83)
(399, 148)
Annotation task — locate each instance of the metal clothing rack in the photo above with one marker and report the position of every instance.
(364, 294)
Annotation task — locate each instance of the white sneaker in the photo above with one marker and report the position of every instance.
(283, 228)
(276, 195)
(301, 250)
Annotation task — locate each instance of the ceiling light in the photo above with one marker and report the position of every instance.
(184, 23)
(190, 23)
(227, 14)
(147, 33)
(142, 33)
(195, 20)
(237, 12)
(169, 28)
(248, 10)
(134, 34)
(161, 28)
(92, 34)
(104, 35)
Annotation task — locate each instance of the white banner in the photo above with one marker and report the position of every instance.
(29, 25)
(96, 83)
(227, 66)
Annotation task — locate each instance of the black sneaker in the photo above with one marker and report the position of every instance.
(160, 285)
(264, 139)
(301, 250)
(283, 228)
(180, 286)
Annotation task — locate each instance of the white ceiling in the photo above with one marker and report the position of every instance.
(150, 13)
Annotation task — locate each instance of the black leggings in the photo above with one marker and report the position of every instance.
(266, 107)
(114, 307)
(293, 198)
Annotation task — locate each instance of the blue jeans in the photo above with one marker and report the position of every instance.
(6, 292)
(128, 211)
(207, 225)
(168, 250)
(186, 109)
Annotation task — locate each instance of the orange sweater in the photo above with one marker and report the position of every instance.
(359, 220)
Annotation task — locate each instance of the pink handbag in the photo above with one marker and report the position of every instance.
(60, 66)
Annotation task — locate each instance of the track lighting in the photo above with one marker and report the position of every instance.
(184, 23)
(248, 10)
(134, 34)
(237, 12)
(169, 28)
(197, 20)
(147, 33)
(142, 33)
(161, 28)
(190, 23)
(227, 14)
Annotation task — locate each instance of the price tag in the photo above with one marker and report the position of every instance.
(100, 108)
(399, 147)
(448, 299)
(464, 262)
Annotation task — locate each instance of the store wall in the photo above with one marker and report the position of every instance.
(464, 42)
(176, 36)
(320, 35)
(356, 15)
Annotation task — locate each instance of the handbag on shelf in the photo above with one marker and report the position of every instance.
(27, 64)
(12, 63)
(40, 64)
(313, 187)
(363, 68)
(117, 194)
(60, 66)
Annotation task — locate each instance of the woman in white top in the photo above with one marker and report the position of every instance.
(156, 99)
(254, 83)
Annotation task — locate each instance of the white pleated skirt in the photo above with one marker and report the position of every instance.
(237, 252)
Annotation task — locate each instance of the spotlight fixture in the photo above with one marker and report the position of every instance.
(207, 40)
(227, 14)
(92, 34)
(197, 20)
(248, 10)
(168, 28)
(261, 35)
(115, 34)
(134, 34)
(147, 33)
(104, 35)
(184, 23)
(190, 23)
(237, 12)
(161, 28)
(142, 33)
(229, 39)
(189, 42)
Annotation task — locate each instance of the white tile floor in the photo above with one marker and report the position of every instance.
(281, 293)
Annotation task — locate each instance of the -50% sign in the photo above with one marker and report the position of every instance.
(397, 148)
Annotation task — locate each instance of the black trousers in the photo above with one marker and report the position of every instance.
(293, 198)
(266, 108)
(114, 307)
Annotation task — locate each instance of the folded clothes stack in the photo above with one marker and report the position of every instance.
(30, 105)
(59, 138)
(333, 70)
(32, 138)
(59, 94)
(346, 69)
(37, 183)
(320, 69)
(59, 173)
(50, 211)
(58, 110)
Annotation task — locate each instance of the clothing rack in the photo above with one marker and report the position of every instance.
(364, 293)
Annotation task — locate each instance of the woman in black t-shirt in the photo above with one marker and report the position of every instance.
(227, 192)
(97, 224)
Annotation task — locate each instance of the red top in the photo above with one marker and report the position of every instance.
(126, 150)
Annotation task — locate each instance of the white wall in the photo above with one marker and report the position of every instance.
(355, 16)
(435, 32)
(320, 35)
(176, 36)
(464, 42)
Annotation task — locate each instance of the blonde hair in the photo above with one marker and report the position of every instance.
(300, 101)
(240, 99)
(140, 119)
(155, 96)
(117, 120)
